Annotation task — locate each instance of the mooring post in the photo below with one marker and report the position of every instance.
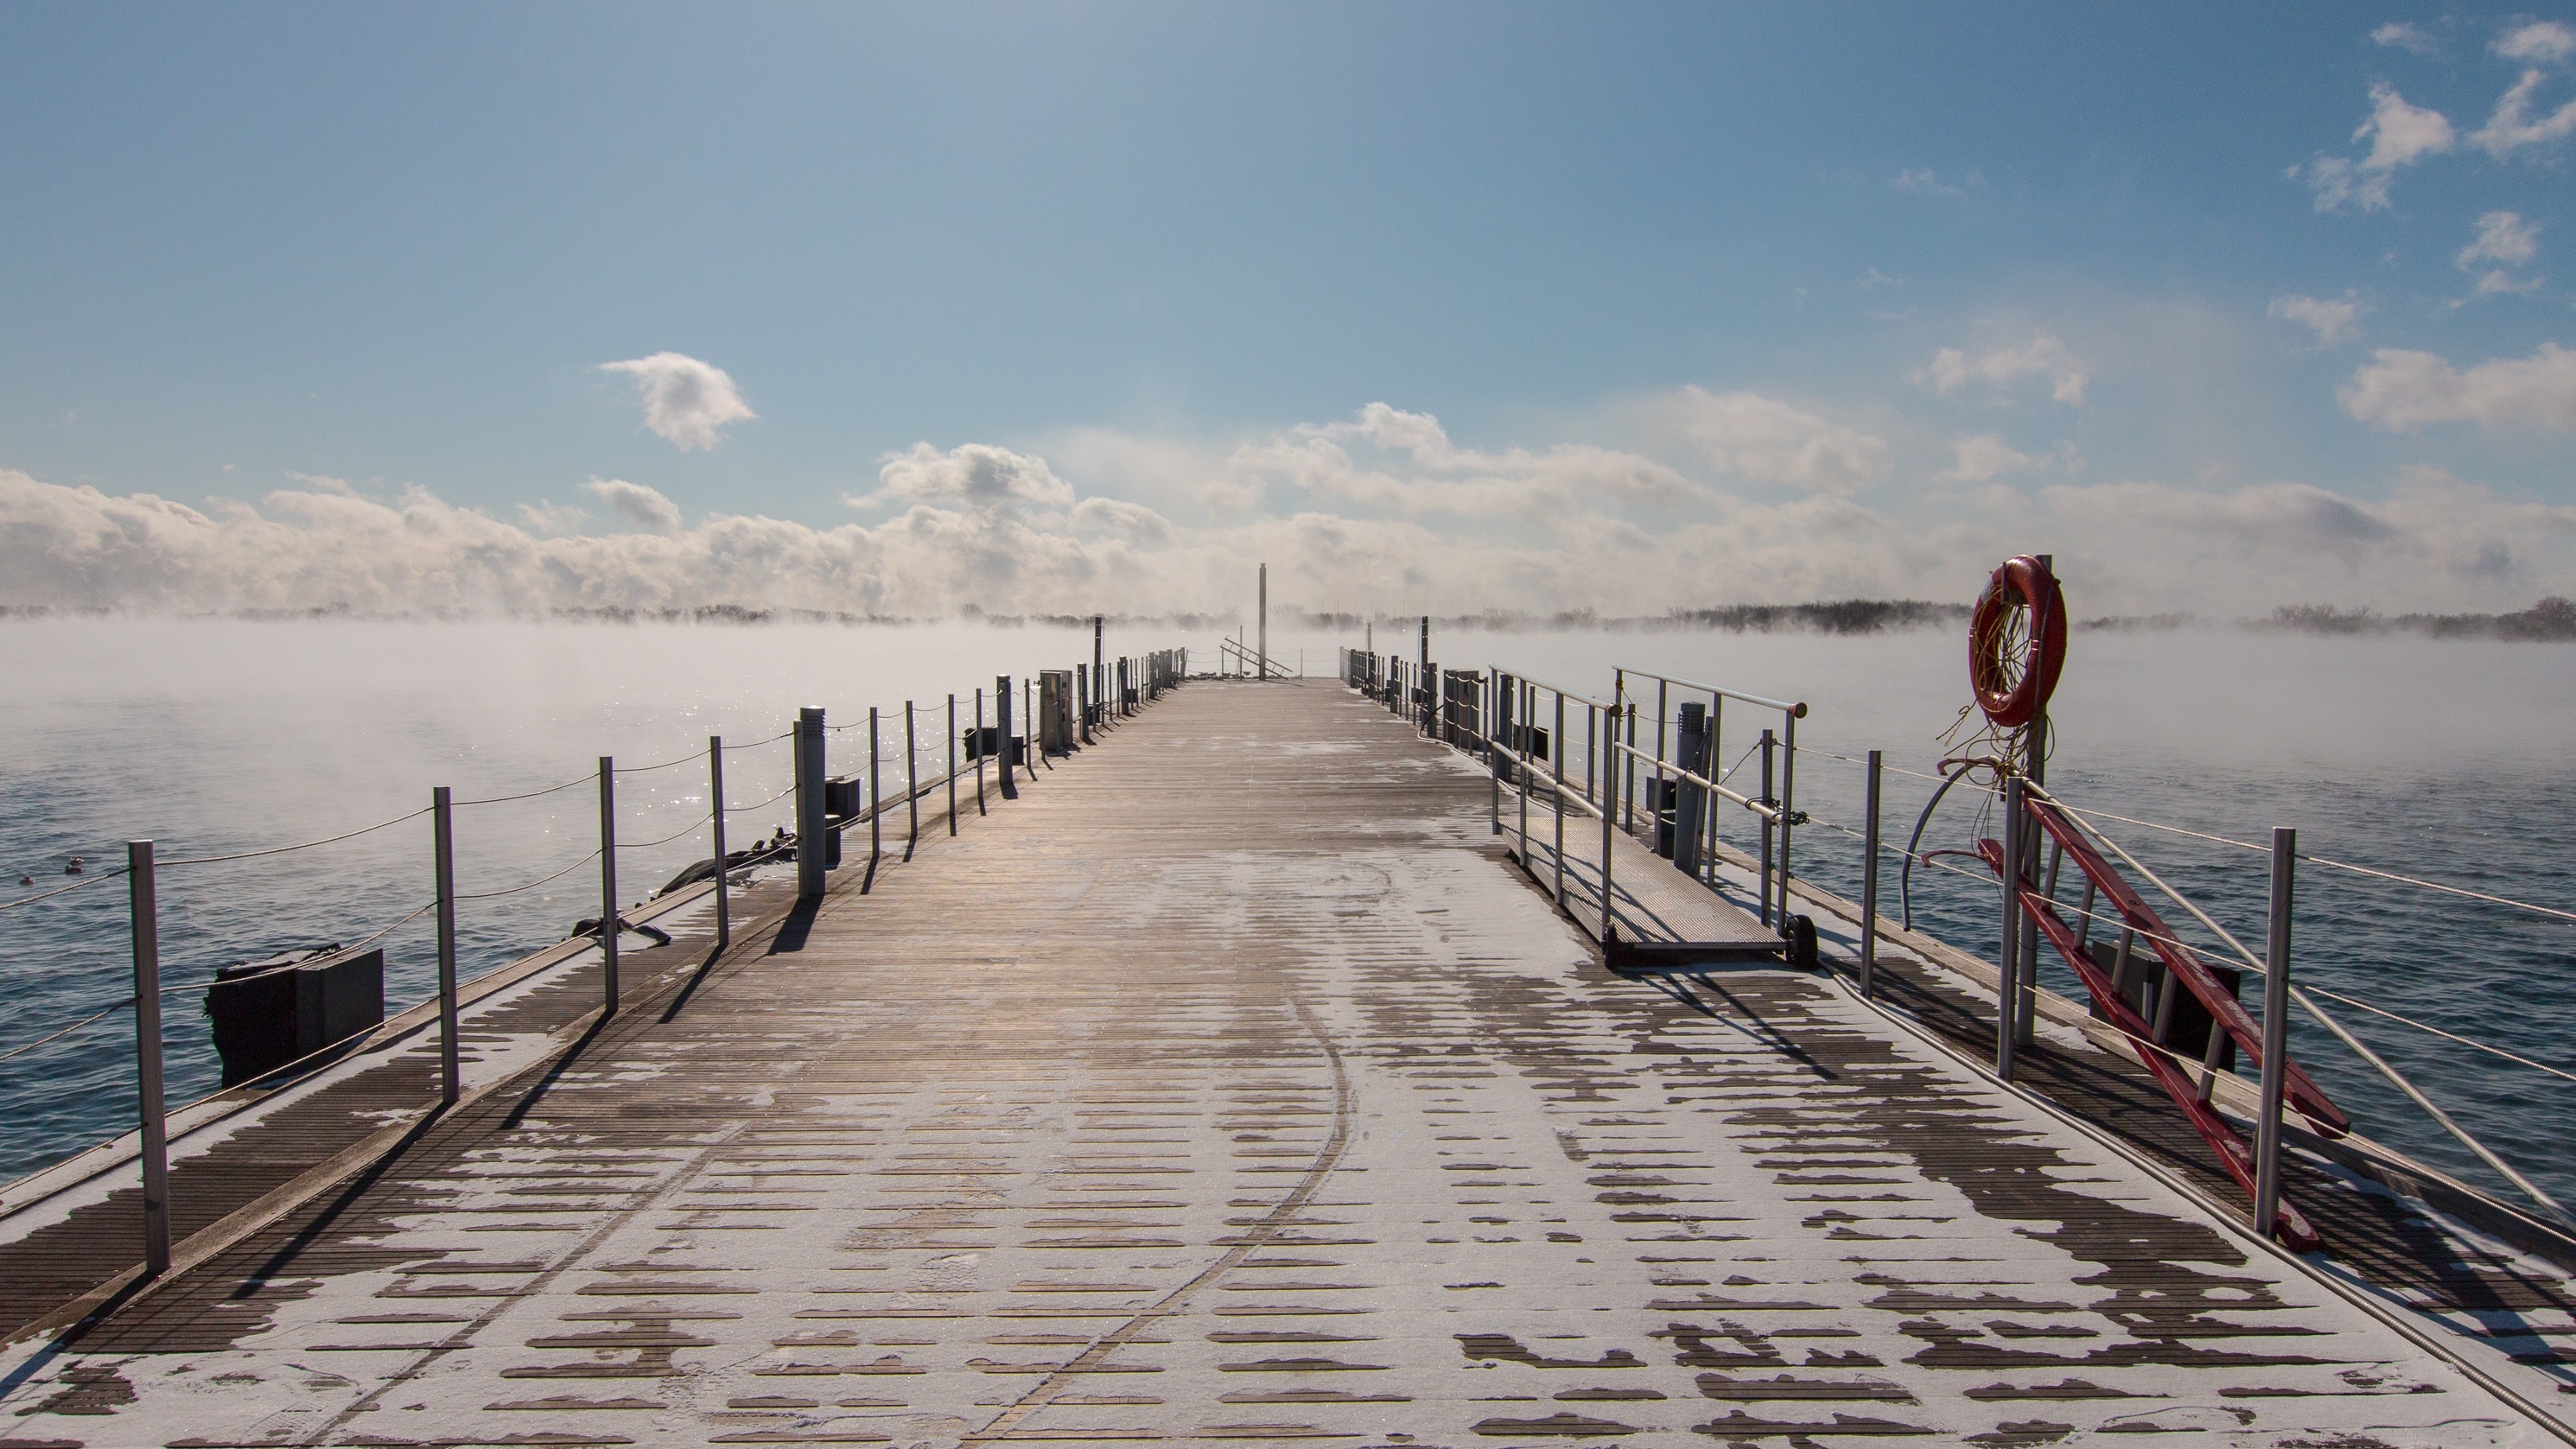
(952, 766)
(442, 835)
(876, 805)
(981, 754)
(809, 803)
(1002, 732)
(2276, 1036)
(1082, 697)
(144, 907)
(1609, 829)
(911, 785)
(716, 840)
(1689, 801)
(2009, 998)
(1869, 882)
(608, 884)
(1098, 623)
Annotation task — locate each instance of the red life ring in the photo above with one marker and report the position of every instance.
(2012, 692)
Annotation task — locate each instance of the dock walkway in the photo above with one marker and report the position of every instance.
(1229, 1085)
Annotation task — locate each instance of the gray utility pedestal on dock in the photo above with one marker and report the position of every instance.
(1229, 1085)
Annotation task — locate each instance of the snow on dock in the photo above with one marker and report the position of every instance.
(1228, 1085)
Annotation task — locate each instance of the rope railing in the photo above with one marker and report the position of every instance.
(102, 1014)
(529, 886)
(290, 849)
(62, 890)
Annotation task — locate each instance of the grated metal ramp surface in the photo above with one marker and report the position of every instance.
(1230, 1087)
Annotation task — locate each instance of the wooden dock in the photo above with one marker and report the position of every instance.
(1228, 1085)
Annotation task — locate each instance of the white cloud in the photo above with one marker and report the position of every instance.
(2543, 41)
(1924, 181)
(686, 401)
(641, 505)
(2503, 236)
(2401, 391)
(2399, 135)
(2512, 126)
(544, 518)
(1873, 278)
(2043, 355)
(1983, 457)
(2333, 319)
(1770, 441)
(2406, 36)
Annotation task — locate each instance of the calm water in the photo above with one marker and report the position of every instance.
(2443, 759)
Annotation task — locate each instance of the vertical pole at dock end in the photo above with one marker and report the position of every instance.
(809, 803)
(911, 785)
(443, 857)
(1002, 733)
(1265, 621)
(143, 899)
(1869, 883)
(716, 839)
(952, 766)
(876, 804)
(2276, 1037)
(608, 883)
(981, 754)
(1098, 629)
(1609, 829)
(2008, 1003)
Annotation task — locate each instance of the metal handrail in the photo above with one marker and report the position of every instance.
(1566, 694)
(1766, 811)
(1793, 707)
(1571, 795)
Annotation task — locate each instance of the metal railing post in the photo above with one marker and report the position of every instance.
(608, 884)
(2276, 1036)
(144, 905)
(981, 753)
(1521, 708)
(1556, 793)
(1490, 706)
(2008, 1000)
(442, 833)
(716, 832)
(1002, 734)
(1770, 746)
(911, 785)
(952, 766)
(1869, 883)
(1609, 831)
(1788, 808)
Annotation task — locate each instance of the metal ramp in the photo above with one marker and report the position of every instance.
(1658, 916)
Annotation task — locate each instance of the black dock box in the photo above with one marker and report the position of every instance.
(268, 1013)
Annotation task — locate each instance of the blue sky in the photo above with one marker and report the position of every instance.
(1164, 256)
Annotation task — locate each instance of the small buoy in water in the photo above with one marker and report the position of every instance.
(26, 880)
(79, 866)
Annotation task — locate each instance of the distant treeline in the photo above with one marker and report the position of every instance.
(1846, 616)
(2551, 618)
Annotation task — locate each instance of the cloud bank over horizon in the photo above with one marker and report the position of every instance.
(1715, 499)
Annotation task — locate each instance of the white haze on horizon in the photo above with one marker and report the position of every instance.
(1730, 499)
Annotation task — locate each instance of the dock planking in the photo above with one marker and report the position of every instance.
(1229, 1085)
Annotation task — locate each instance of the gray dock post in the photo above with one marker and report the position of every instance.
(1265, 622)
(876, 804)
(1609, 830)
(952, 767)
(1788, 811)
(2276, 1036)
(911, 785)
(809, 803)
(2008, 997)
(716, 829)
(1869, 882)
(1690, 801)
(608, 884)
(981, 754)
(443, 846)
(143, 901)
(1082, 687)
(1002, 732)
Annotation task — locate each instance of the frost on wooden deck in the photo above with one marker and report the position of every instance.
(1228, 1086)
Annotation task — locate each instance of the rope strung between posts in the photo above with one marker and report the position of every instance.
(285, 849)
(756, 744)
(691, 828)
(691, 758)
(532, 885)
(531, 794)
(772, 800)
(334, 952)
(62, 890)
(66, 1031)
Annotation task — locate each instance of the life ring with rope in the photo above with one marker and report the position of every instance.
(2022, 612)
